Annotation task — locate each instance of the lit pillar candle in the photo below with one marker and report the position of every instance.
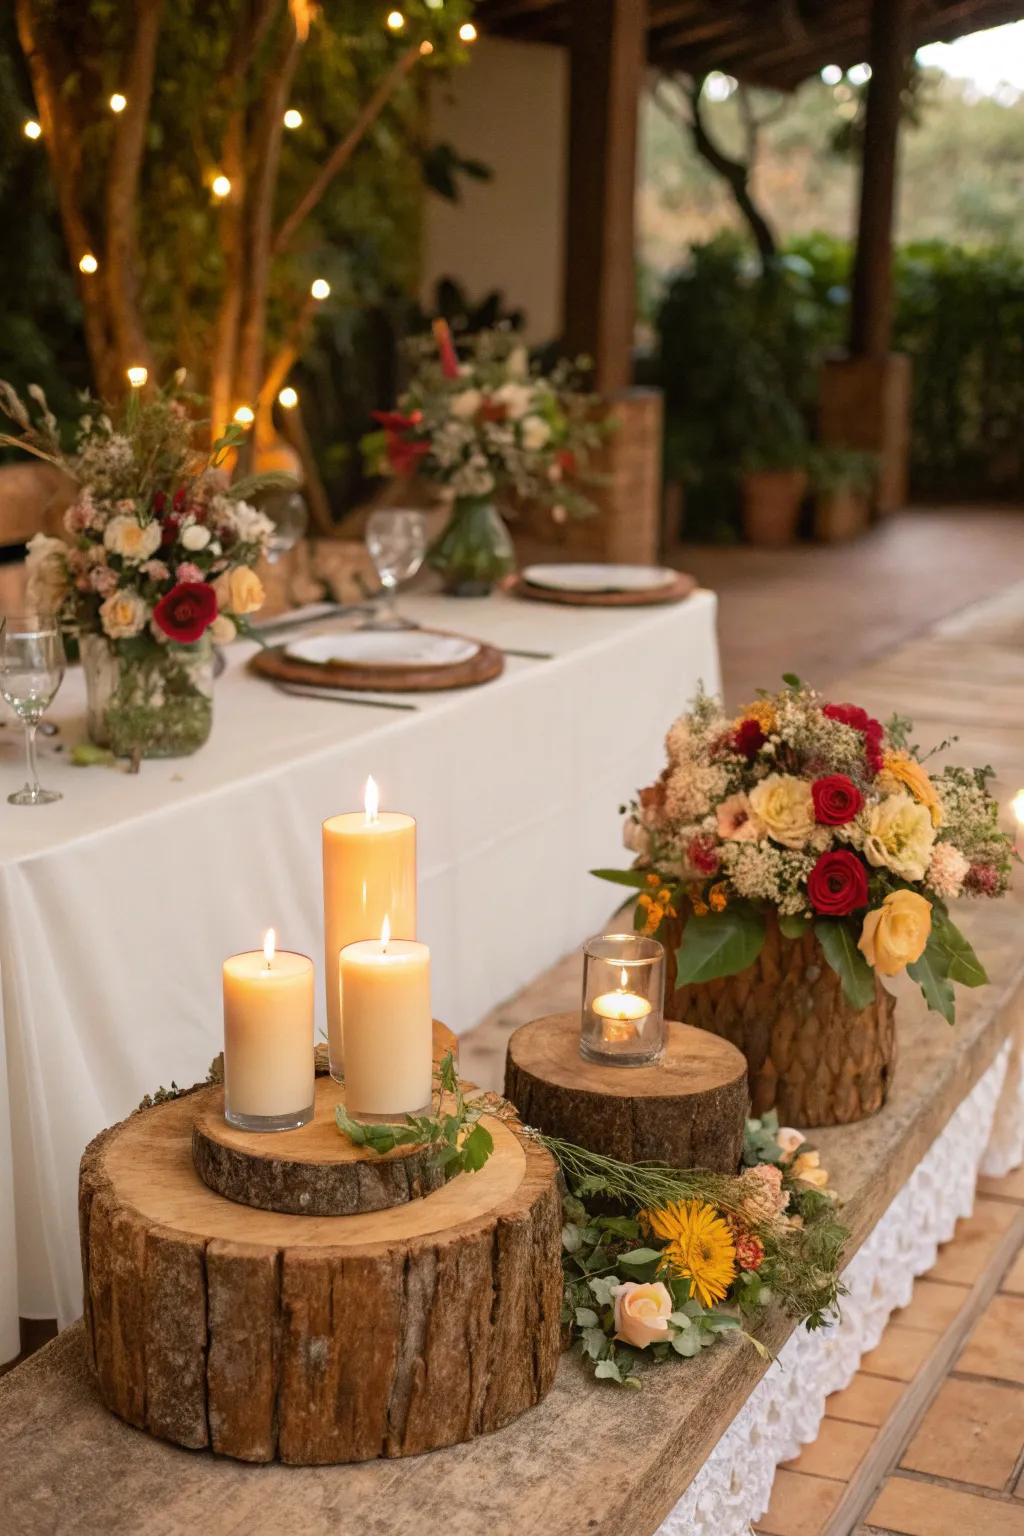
(385, 997)
(369, 874)
(268, 1039)
(622, 1012)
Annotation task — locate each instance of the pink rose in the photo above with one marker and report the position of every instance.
(156, 570)
(188, 572)
(642, 1313)
(737, 822)
(103, 580)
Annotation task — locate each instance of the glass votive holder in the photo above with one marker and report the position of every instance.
(623, 999)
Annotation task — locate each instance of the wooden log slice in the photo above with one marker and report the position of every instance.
(309, 1172)
(688, 1110)
(483, 666)
(315, 1339)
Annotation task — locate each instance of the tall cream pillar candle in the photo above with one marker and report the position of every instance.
(369, 874)
(268, 1039)
(385, 997)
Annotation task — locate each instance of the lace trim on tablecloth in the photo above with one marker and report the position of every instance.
(785, 1409)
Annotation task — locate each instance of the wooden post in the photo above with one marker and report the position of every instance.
(607, 50)
(889, 52)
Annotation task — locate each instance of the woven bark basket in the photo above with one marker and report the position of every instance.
(810, 1055)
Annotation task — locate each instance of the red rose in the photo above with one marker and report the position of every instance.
(838, 884)
(187, 611)
(748, 739)
(703, 854)
(836, 799)
(860, 720)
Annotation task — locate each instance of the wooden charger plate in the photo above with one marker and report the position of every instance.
(643, 597)
(482, 667)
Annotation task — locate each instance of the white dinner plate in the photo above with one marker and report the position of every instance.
(383, 648)
(598, 578)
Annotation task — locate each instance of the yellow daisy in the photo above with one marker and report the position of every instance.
(699, 1247)
(763, 711)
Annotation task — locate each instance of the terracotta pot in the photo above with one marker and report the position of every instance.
(839, 515)
(809, 1053)
(771, 505)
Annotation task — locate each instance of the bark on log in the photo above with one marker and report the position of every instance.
(810, 1055)
(316, 1339)
(689, 1110)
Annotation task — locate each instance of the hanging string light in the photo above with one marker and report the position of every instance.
(31, 129)
(426, 48)
(293, 118)
(137, 376)
(395, 21)
(245, 415)
(288, 397)
(468, 33)
(220, 187)
(118, 102)
(87, 263)
(320, 289)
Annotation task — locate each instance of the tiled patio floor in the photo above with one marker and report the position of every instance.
(954, 1464)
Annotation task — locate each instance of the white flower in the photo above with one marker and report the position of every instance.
(127, 537)
(47, 571)
(783, 804)
(518, 365)
(466, 404)
(252, 527)
(899, 836)
(536, 433)
(195, 537)
(223, 630)
(787, 1139)
(516, 398)
(123, 614)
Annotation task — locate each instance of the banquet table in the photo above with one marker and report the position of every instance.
(119, 903)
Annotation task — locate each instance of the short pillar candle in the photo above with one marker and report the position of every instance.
(369, 873)
(269, 1080)
(385, 996)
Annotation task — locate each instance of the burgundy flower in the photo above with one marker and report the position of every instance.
(703, 854)
(836, 799)
(748, 739)
(838, 884)
(179, 498)
(860, 720)
(169, 535)
(982, 880)
(187, 611)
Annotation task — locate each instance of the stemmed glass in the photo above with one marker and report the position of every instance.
(397, 542)
(31, 671)
(288, 512)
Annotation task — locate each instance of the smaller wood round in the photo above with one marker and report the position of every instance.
(688, 1110)
(486, 664)
(670, 592)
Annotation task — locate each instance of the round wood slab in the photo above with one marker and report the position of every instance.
(689, 1110)
(669, 592)
(486, 664)
(316, 1339)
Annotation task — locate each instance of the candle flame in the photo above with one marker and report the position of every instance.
(623, 979)
(385, 934)
(269, 945)
(1018, 806)
(371, 799)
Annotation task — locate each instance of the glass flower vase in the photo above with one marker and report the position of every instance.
(148, 699)
(475, 549)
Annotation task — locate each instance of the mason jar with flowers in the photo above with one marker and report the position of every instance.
(495, 434)
(793, 857)
(155, 566)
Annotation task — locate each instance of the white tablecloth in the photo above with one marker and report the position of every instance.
(118, 904)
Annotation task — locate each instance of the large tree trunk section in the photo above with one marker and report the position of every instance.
(313, 1171)
(311, 1339)
(810, 1055)
(688, 1110)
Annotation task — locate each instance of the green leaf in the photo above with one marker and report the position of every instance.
(571, 1238)
(687, 1344)
(680, 1320)
(586, 1318)
(962, 964)
(840, 950)
(930, 974)
(596, 1343)
(640, 1256)
(602, 1287)
(791, 680)
(477, 1148)
(607, 1370)
(637, 878)
(719, 944)
(348, 1127)
(793, 925)
(621, 1226)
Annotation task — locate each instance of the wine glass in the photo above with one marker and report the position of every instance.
(288, 512)
(31, 670)
(397, 541)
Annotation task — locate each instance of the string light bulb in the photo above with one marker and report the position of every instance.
(426, 48)
(293, 118)
(137, 376)
(288, 397)
(220, 187)
(245, 415)
(87, 263)
(468, 33)
(31, 129)
(395, 21)
(118, 102)
(320, 288)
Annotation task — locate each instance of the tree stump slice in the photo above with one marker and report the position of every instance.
(688, 1110)
(312, 1171)
(810, 1055)
(315, 1339)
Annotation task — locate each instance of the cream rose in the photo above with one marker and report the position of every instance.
(785, 808)
(788, 1140)
(894, 935)
(195, 537)
(536, 433)
(131, 540)
(123, 614)
(239, 591)
(516, 398)
(223, 630)
(899, 836)
(808, 1169)
(466, 404)
(642, 1313)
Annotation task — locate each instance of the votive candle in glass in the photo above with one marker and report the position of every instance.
(269, 1076)
(623, 1019)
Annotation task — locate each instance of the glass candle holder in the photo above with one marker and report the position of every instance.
(623, 999)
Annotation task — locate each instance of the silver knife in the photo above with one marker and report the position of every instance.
(332, 696)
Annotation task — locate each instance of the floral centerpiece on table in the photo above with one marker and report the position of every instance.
(806, 822)
(156, 563)
(490, 430)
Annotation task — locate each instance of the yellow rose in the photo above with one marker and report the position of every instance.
(126, 536)
(784, 807)
(239, 591)
(894, 935)
(902, 769)
(899, 836)
(123, 614)
(808, 1169)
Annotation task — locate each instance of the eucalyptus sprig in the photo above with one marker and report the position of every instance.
(455, 1137)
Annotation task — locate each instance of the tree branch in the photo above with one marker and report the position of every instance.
(344, 151)
(736, 175)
